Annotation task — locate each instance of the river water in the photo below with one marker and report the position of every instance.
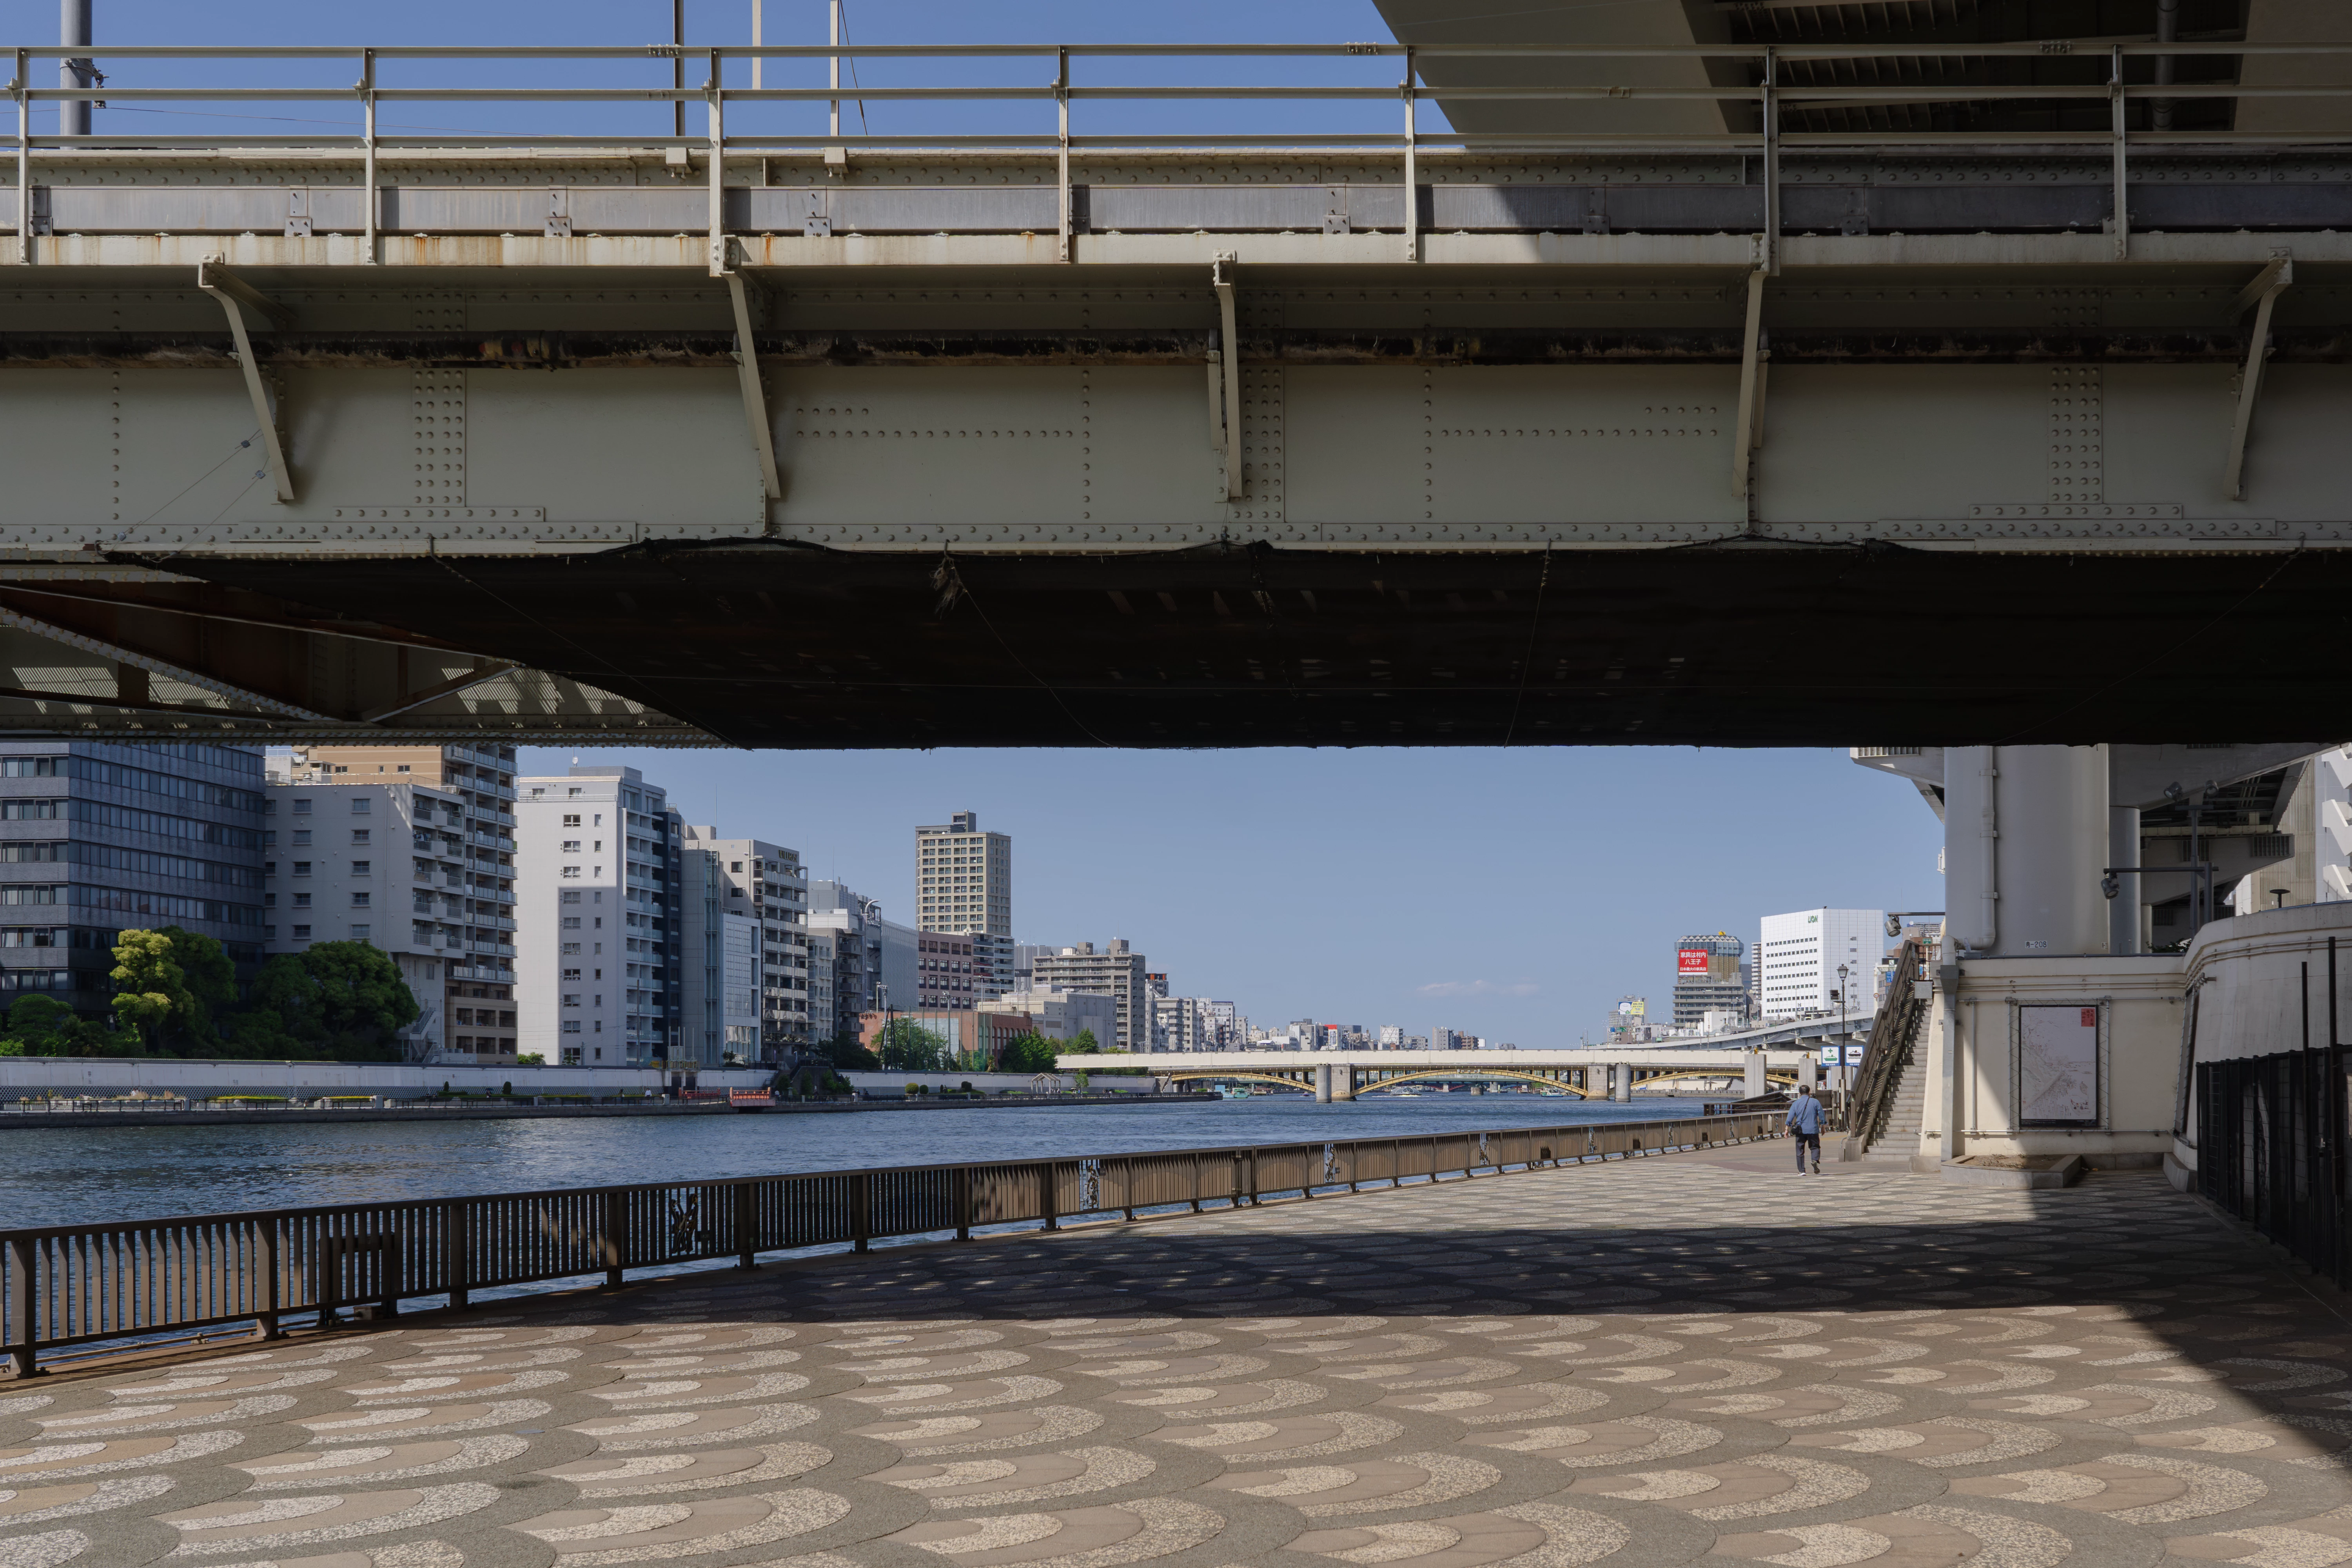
(88, 1175)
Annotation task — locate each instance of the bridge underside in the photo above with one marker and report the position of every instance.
(1503, 485)
(1739, 643)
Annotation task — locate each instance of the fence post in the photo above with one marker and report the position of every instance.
(746, 1213)
(272, 1277)
(861, 1213)
(615, 1239)
(963, 1203)
(457, 1253)
(1196, 1184)
(1048, 1200)
(21, 1327)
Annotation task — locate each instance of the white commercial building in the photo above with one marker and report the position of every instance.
(1061, 1015)
(598, 926)
(1797, 954)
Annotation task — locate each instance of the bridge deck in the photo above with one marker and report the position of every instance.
(1055, 435)
(1684, 1359)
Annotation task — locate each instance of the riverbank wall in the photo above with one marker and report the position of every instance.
(111, 1077)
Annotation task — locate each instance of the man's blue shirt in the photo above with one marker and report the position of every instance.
(1805, 1115)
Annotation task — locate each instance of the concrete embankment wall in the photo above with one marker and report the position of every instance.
(111, 1077)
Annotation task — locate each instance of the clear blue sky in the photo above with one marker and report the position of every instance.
(1514, 894)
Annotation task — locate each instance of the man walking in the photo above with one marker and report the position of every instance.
(1805, 1129)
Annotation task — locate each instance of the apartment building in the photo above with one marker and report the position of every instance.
(1117, 972)
(1184, 1024)
(472, 915)
(766, 884)
(945, 971)
(599, 929)
(874, 958)
(963, 887)
(98, 839)
(385, 864)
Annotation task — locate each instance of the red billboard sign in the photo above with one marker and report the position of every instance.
(1691, 960)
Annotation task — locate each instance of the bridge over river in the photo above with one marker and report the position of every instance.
(1343, 1075)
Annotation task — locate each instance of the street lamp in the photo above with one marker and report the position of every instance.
(1846, 1042)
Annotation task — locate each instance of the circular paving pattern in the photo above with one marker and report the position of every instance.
(1636, 1364)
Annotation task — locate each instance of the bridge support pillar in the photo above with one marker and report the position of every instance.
(1620, 1082)
(1808, 1070)
(1755, 1083)
(1343, 1082)
(1322, 1083)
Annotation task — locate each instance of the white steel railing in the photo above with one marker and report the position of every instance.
(1769, 95)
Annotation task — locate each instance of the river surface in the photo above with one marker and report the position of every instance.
(84, 1175)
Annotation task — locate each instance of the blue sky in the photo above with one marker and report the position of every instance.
(1515, 894)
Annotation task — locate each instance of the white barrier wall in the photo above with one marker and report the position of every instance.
(198, 1080)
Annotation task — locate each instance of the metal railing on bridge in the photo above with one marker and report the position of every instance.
(2269, 1150)
(69, 1285)
(2123, 114)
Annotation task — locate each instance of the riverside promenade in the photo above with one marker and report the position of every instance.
(1690, 1357)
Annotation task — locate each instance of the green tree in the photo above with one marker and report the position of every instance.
(1082, 1044)
(169, 984)
(845, 1051)
(904, 1045)
(38, 1026)
(343, 999)
(1032, 1052)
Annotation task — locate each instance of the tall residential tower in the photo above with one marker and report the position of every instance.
(963, 887)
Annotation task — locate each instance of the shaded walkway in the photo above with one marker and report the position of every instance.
(1640, 1363)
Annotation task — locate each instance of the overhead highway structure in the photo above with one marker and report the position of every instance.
(1554, 430)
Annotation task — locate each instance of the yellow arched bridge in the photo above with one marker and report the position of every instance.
(1591, 1074)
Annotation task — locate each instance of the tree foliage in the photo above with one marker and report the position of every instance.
(1031, 1053)
(904, 1045)
(344, 998)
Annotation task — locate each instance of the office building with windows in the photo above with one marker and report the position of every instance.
(1797, 954)
(598, 927)
(765, 885)
(1117, 972)
(97, 838)
(383, 864)
(471, 906)
(1709, 978)
(963, 887)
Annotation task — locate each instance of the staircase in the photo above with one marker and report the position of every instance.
(1899, 1139)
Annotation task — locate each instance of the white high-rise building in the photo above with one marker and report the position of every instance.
(963, 887)
(1797, 957)
(598, 924)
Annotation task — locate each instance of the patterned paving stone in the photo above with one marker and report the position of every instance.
(1639, 1365)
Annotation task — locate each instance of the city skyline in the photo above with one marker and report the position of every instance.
(1523, 934)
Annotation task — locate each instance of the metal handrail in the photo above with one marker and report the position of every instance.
(1891, 1037)
(78, 1284)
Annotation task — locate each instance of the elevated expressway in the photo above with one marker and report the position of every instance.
(1402, 436)
(1591, 1074)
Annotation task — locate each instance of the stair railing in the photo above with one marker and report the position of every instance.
(1892, 1032)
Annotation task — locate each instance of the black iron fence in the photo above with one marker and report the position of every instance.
(67, 1285)
(2270, 1140)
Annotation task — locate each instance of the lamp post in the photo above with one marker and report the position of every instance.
(1845, 1041)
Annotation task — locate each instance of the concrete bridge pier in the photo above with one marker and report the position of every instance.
(1755, 1083)
(1808, 1072)
(1343, 1082)
(1322, 1083)
(1620, 1082)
